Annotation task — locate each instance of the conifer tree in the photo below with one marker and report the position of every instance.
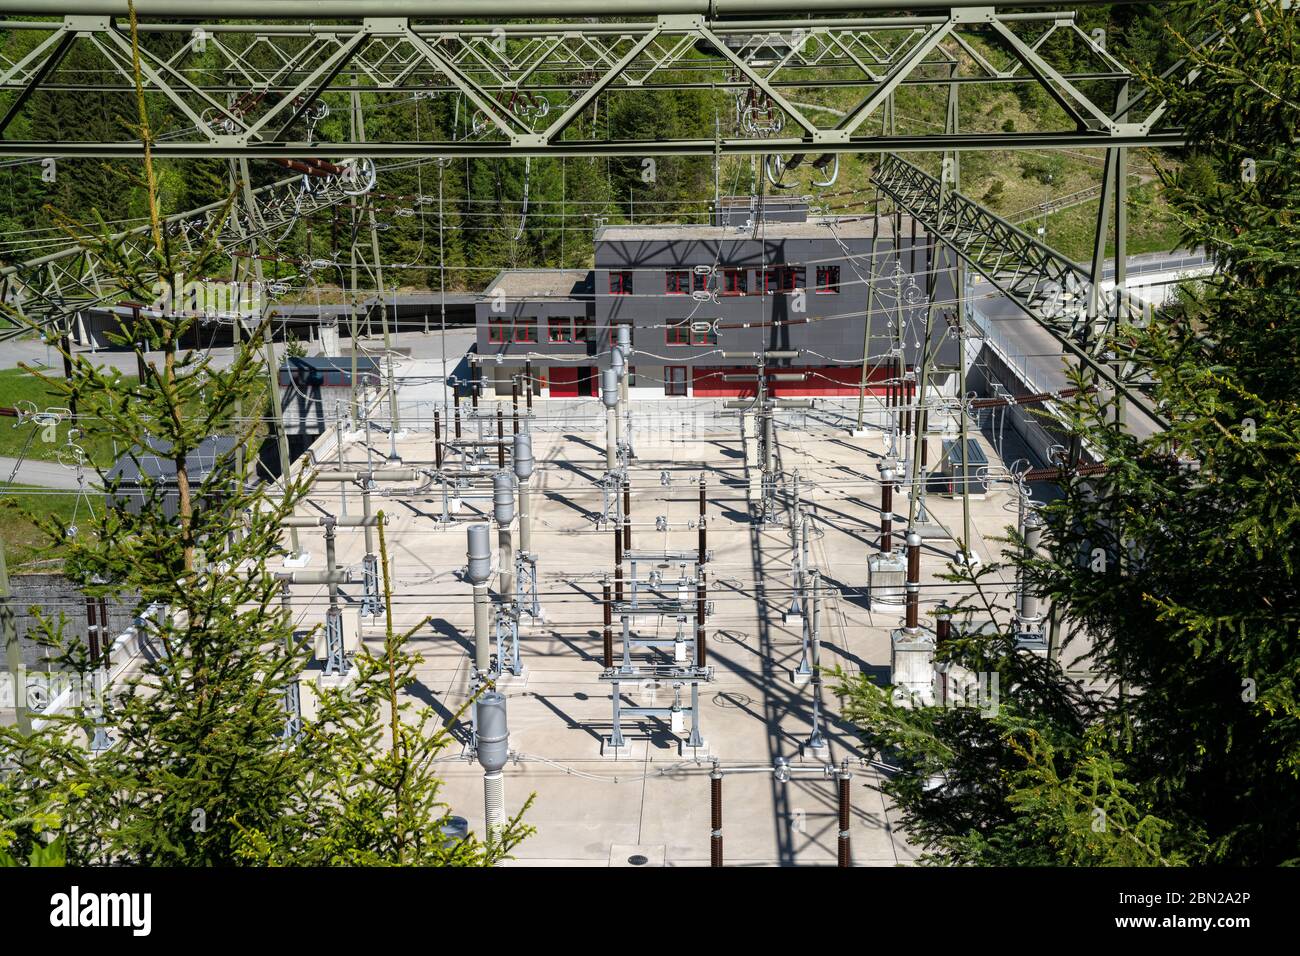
(1177, 563)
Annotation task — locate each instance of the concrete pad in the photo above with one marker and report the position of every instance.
(590, 808)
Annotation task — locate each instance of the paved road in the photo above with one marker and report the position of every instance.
(42, 474)
(1038, 353)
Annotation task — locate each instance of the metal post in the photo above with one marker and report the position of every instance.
(370, 602)
(272, 367)
(703, 544)
(913, 580)
(715, 816)
(608, 636)
(336, 656)
(611, 439)
(627, 514)
(815, 740)
(514, 404)
(701, 607)
(887, 511)
(437, 439)
(845, 851)
(618, 563)
(501, 438)
(528, 383)
(457, 432)
(343, 485)
(482, 642)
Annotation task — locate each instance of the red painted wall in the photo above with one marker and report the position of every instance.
(820, 381)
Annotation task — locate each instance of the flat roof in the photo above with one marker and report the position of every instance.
(824, 227)
(550, 283)
(154, 464)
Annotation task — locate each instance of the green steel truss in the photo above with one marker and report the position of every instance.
(1058, 294)
(262, 89)
(52, 289)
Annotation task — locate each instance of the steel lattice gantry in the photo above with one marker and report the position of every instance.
(54, 287)
(263, 88)
(1058, 294)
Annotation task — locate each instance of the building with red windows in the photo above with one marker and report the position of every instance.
(702, 301)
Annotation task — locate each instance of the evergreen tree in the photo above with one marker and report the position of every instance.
(1177, 563)
(195, 762)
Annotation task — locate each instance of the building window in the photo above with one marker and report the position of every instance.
(782, 279)
(620, 283)
(701, 282)
(498, 331)
(702, 334)
(675, 380)
(678, 282)
(828, 279)
(734, 281)
(678, 333)
(559, 328)
(582, 329)
(526, 331)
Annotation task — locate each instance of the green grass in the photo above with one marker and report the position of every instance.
(24, 541)
(29, 439)
(1151, 228)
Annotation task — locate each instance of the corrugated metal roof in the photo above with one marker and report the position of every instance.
(154, 464)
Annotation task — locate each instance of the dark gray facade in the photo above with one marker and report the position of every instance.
(692, 292)
(311, 390)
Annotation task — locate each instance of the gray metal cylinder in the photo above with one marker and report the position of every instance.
(611, 439)
(523, 455)
(479, 553)
(491, 730)
(625, 339)
(1033, 534)
(503, 497)
(609, 387)
(525, 520)
(616, 360)
(482, 640)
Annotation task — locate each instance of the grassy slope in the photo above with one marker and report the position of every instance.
(24, 542)
(27, 439)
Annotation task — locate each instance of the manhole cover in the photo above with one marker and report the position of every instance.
(636, 859)
(732, 700)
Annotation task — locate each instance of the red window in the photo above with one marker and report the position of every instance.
(828, 279)
(674, 379)
(582, 329)
(782, 278)
(734, 281)
(678, 282)
(704, 334)
(498, 331)
(526, 331)
(559, 329)
(620, 283)
(701, 282)
(678, 333)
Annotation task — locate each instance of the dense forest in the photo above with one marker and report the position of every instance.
(508, 212)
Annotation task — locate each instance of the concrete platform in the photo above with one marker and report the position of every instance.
(652, 800)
